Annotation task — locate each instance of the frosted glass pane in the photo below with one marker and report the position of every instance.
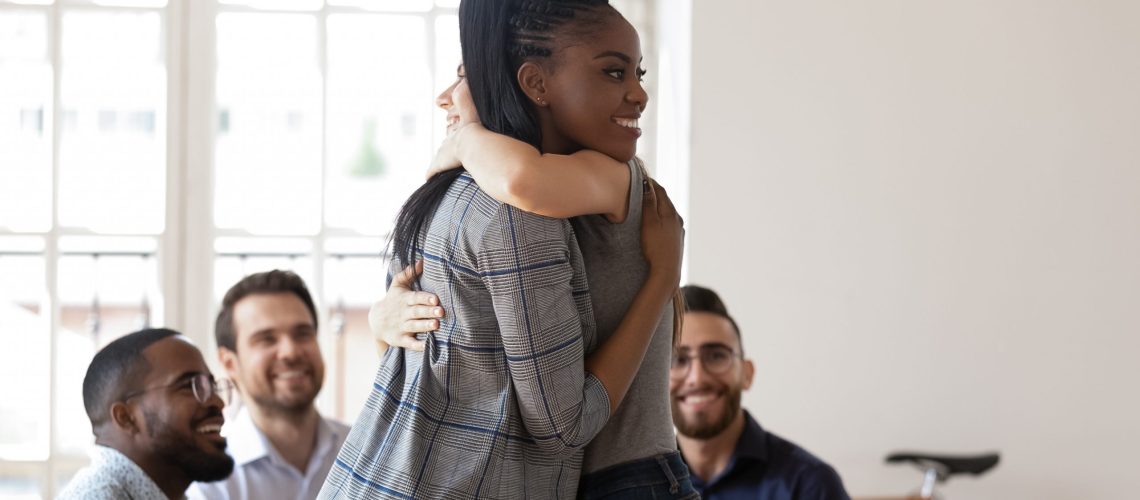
(240, 257)
(14, 486)
(276, 4)
(113, 130)
(386, 5)
(379, 119)
(448, 56)
(25, 122)
(268, 156)
(24, 325)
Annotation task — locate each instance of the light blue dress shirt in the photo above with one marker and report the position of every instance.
(260, 471)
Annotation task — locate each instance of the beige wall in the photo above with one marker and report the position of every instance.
(926, 215)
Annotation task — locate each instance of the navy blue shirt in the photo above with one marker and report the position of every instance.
(767, 467)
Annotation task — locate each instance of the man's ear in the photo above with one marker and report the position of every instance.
(123, 418)
(229, 362)
(532, 80)
(749, 370)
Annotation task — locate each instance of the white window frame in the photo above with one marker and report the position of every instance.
(185, 253)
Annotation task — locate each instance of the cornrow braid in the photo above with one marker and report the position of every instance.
(533, 22)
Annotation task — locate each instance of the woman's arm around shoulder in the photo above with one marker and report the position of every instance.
(514, 172)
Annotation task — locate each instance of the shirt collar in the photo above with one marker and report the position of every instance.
(245, 441)
(247, 444)
(136, 482)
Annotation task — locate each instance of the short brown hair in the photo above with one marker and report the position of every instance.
(275, 281)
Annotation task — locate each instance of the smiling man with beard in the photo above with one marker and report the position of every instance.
(156, 413)
(729, 455)
(267, 343)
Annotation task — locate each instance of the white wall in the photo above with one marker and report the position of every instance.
(926, 216)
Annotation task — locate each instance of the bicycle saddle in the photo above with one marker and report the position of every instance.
(948, 465)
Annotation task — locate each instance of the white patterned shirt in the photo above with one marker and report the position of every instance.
(261, 472)
(111, 476)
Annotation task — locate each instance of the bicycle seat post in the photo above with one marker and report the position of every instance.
(928, 482)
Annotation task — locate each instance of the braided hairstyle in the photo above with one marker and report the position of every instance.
(497, 37)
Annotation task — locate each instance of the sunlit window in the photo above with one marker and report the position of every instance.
(268, 156)
(25, 122)
(25, 333)
(113, 141)
(154, 152)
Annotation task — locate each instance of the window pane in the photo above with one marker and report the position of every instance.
(387, 5)
(240, 257)
(352, 283)
(380, 102)
(351, 362)
(107, 288)
(15, 486)
(24, 325)
(269, 124)
(25, 122)
(113, 137)
(447, 58)
(119, 3)
(276, 4)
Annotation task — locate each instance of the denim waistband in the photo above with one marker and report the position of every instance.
(666, 470)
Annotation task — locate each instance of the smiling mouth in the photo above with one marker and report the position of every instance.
(291, 374)
(214, 429)
(700, 399)
(626, 122)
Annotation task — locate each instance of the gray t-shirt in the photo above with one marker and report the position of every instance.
(642, 427)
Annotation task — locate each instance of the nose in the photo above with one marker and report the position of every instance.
(288, 349)
(215, 400)
(443, 100)
(637, 95)
(697, 373)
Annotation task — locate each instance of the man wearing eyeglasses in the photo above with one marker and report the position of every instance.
(729, 455)
(267, 343)
(156, 413)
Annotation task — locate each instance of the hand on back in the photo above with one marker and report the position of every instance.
(402, 313)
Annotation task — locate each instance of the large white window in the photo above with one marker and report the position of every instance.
(153, 152)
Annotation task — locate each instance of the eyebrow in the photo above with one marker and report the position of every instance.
(715, 344)
(186, 376)
(614, 53)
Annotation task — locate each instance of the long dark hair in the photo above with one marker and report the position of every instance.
(497, 37)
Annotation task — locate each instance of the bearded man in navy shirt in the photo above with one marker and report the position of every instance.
(729, 455)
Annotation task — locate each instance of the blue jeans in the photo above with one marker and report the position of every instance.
(662, 476)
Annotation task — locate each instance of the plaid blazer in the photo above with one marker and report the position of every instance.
(498, 405)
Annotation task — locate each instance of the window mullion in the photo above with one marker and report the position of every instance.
(51, 250)
(318, 242)
(197, 172)
(171, 253)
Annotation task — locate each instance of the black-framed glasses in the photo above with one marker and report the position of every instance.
(715, 359)
(203, 386)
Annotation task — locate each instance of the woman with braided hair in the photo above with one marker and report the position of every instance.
(503, 398)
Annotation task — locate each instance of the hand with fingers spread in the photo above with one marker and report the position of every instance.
(662, 235)
(403, 312)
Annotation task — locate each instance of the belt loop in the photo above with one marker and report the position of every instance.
(674, 486)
